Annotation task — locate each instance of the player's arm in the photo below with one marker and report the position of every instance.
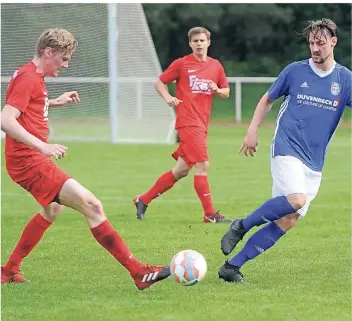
(223, 92)
(15, 105)
(161, 88)
(171, 74)
(263, 107)
(65, 98)
(14, 129)
(279, 88)
(220, 92)
(221, 88)
(250, 143)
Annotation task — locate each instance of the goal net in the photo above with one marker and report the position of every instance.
(117, 104)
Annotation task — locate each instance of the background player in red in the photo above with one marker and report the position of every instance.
(24, 119)
(198, 77)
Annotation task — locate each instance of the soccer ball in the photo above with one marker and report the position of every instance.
(188, 267)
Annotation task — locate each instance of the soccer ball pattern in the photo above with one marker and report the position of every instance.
(188, 267)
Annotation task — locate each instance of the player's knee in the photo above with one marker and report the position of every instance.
(180, 172)
(287, 222)
(97, 207)
(52, 211)
(202, 168)
(297, 200)
(92, 206)
(183, 172)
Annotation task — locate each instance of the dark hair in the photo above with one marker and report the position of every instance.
(316, 25)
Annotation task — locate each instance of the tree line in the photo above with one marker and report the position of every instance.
(249, 39)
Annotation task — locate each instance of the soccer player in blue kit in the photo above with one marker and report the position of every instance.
(315, 93)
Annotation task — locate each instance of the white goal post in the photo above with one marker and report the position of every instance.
(113, 70)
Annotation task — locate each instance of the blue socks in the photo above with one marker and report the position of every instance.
(259, 242)
(270, 211)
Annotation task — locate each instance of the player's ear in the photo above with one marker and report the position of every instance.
(48, 52)
(333, 41)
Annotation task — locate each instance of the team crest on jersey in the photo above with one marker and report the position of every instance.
(335, 88)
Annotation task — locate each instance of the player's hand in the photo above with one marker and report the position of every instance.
(250, 143)
(68, 97)
(55, 150)
(172, 101)
(213, 86)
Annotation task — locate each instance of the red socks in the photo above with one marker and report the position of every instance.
(163, 183)
(31, 235)
(203, 191)
(108, 237)
(167, 180)
(103, 233)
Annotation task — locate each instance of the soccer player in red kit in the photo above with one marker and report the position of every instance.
(198, 78)
(24, 119)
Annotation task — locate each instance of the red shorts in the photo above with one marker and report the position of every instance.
(42, 178)
(193, 146)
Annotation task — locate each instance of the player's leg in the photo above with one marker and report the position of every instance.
(268, 235)
(31, 235)
(166, 181)
(257, 244)
(202, 188)
(74, 195)
(162, 184)
(289, 195)
(195, 151)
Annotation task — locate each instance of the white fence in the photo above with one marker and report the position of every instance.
(238, 81)
(136, 85)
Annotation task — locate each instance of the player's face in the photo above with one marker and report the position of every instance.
(321, 45)
(55, 61)
(199, 44)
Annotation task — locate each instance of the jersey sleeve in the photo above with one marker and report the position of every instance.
(19, 92)
(281, 85)
(172, 72)
(222, 83)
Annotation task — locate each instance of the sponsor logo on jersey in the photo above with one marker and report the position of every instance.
(199, 85)
(318, 102)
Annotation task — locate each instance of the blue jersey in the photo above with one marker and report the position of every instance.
(311, 110)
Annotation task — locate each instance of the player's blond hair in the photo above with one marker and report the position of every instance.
(314, 26)
(60, 40)
(196, 31)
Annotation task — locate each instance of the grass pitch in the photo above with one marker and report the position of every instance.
(306, 276)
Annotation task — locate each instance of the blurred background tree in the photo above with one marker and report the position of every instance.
(249, 39)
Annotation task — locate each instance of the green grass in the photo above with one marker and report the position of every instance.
(306, 276)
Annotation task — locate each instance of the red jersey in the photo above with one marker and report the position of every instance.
(27, 92)
(192, 77)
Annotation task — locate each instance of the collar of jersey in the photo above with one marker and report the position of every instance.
(319, 72)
